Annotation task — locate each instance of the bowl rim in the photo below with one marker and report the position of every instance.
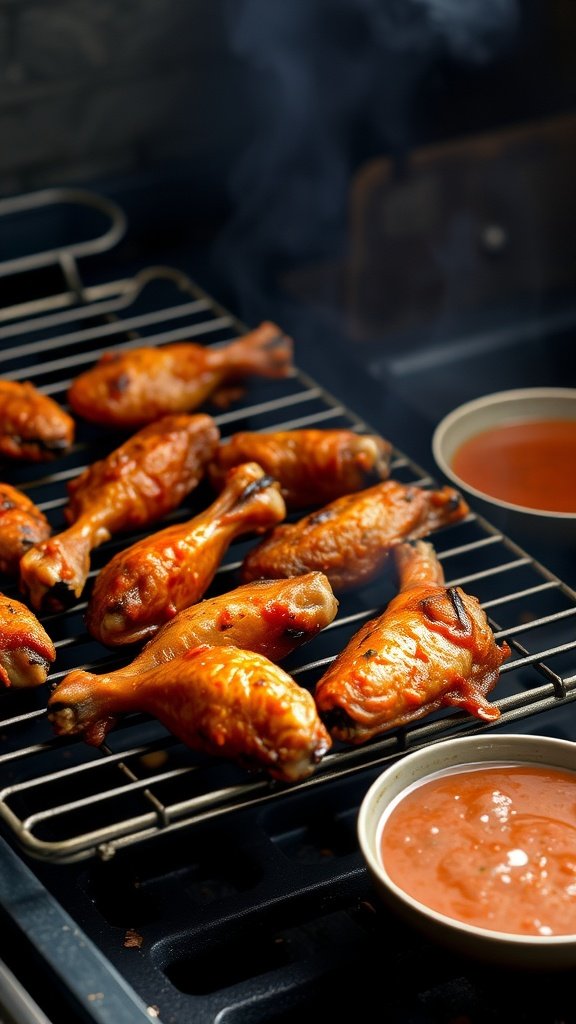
(368, 836)
(485, 401)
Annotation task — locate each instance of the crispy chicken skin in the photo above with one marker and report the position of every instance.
(223, 701)
(22, 524)
(131, 388)
(270, 617)
(350, 538)
(431, 648)
(135, 485)
(148, 583)
(33, 427)
(312, 467)
(26, 650)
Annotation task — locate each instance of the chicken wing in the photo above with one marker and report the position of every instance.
(148, 583)
(135, 485)
(270, 617)
(223, 701)
(312, 467)
(22, 524)
(131, 388)
(350, 538)
(33, 427)
(26, 650)
(431, 648)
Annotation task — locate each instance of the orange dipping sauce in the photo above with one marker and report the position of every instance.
(530, 463)
(494, 847)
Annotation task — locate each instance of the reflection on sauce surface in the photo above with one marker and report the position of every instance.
(527, 463)
(494, 847)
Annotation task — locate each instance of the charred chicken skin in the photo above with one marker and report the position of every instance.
(26, 650)
(312, 467)
(129, 389)
(148, 583)
(270, 617)
(22, 524)
(135, 485)
(350, 538)
(431, 648)
(33, 427)
(223, 701)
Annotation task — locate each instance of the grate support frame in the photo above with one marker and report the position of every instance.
(63, 802)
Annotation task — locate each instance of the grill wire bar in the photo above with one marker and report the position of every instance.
(64, 801)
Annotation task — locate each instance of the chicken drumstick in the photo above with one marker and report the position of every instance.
(270, 616)
(26, 650)
(33, 427)
(128, 389)
(350, 539)
(312, 467)
(135, 485)
(221, 700)
(22, 524)
(145, 585)
(431, 648)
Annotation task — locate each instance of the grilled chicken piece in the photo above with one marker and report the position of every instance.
(148, 583)
(312, 467)
(33, 427)
(270, 617)
(128, 389)
(22, 524)
(350, 538)
(26, 650)
(133, 486)
(431, 648)
(223, 701)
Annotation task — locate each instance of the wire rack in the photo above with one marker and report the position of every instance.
(63, 801)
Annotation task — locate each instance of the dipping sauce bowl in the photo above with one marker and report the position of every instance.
(473, 841)
(513, 454)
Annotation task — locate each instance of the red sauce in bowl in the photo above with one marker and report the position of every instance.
(494, 847)
(530, 463)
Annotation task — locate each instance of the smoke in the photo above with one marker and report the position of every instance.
(330, 82)
(475, 31)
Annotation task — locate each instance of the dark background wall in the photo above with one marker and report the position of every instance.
(89, 90)
(93, 89)
(243, 123)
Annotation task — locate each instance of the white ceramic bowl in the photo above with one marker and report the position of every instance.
(549, 953)
(495, 410)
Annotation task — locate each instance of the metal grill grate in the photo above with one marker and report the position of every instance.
(64, 801)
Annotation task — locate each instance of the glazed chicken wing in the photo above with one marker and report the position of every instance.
(22, 524)
(350, 538)
(270, 617)
(312, 467)
(128, 389)
(33, 427)
(135, 485)
(431, 648)
(148, 583)
(26, 650)
(221, 700)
